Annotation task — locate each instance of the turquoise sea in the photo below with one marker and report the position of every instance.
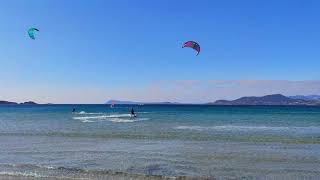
(163, 141)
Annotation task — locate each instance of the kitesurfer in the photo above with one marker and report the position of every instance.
(132, 113)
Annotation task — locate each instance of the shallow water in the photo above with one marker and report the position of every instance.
(222, 142)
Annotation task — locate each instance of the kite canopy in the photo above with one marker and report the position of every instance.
(193, 45)
(31, 32)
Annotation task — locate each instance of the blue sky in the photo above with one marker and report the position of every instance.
(89, 51)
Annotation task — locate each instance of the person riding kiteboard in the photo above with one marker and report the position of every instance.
(132, 113)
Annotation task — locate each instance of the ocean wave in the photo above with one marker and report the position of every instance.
(119, 115)
(23, 174)
(249, 128)
(119, 120)
(37, 171)
(116, 118)
(103, 116)
(83, 112)
(86, 121)
(90, 117)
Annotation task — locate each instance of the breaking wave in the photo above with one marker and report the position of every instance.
(116, 118)
(83, 112)
(23, 174)
(38, 172)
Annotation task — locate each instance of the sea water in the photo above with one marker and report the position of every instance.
(163, 141)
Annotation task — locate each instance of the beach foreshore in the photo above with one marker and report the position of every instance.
(118, 176)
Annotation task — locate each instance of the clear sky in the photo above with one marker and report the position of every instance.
(91, 51)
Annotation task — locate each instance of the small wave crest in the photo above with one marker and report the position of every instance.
(90, 117)
(116, 118)
(24, 174)
(83, 112)
(119, 120)
(39, 172)
(119, 115)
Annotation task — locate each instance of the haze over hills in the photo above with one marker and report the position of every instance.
(133, 102)
(274, 99)
(15, 103)
(309, 97)
(121, 102)
(7, 103)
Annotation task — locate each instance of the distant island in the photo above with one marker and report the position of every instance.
(7, 103)
(29, 103)
(274, 99)
(15, 103)
(121, 102)
(132, 102)
(310, 97)
(271, 100)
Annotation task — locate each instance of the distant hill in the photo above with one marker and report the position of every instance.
(15, 103)
(274, 99)
(121, 102)
(310, 97)
(29, 103)
(132, 102)
(7, 103)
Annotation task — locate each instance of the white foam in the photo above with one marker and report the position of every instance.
(22, 174)
(120, 120)
(102, 116)
(83, 112)
(49, 167)
(119, 115)
(117, 118)
(89, 117)
(86, 121)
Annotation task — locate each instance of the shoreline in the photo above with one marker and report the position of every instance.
(98, 175)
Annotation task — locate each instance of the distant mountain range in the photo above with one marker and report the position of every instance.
(310, 97)
(274, 99)
(7, 103)
(15, 103)
(132, 102)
